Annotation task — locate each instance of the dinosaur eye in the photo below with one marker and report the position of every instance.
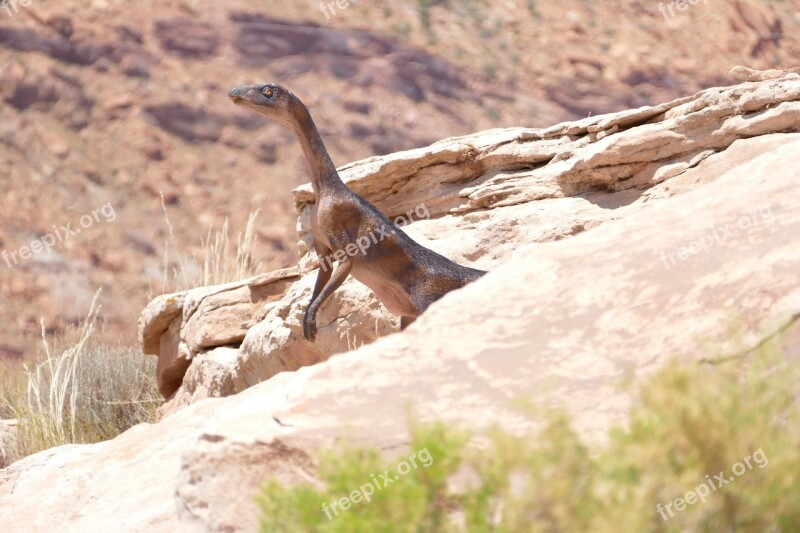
(267, 92)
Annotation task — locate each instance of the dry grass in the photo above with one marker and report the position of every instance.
(221, 261)
(79, 391)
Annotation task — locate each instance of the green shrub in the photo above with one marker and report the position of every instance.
(692, 422)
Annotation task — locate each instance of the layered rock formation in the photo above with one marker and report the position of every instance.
(614, 244)
(475, 199)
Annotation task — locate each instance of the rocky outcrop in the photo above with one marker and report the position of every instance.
(748, 74)
(178, 327)
(466, 197)
(363, 89)
(562, 322)
(645, 236)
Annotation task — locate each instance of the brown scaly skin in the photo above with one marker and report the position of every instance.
(405, 276)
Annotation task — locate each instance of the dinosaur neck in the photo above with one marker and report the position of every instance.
(323, 172)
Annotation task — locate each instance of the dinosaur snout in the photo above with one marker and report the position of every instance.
(235, 95)
(243, 92)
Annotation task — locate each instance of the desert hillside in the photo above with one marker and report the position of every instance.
(107, 105)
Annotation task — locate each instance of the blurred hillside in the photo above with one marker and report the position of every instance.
(108, 103)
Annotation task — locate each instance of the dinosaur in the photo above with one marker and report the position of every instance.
(405, 276)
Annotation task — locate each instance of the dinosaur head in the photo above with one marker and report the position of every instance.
(269, 99)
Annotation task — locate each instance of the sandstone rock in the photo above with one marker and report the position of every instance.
(748, 74)
(173, 359)
(276, 344)
(562, 322)
(515, 166)
(466, 198)
(177, 327)
(209, 375)
(156, 318)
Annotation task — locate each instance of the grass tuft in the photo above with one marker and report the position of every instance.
(222, 262)
(79, 391)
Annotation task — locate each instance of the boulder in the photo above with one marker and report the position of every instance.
(209, 375)
(353, 317)
(177, 327)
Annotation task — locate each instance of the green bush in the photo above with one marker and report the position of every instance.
(692, 422)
